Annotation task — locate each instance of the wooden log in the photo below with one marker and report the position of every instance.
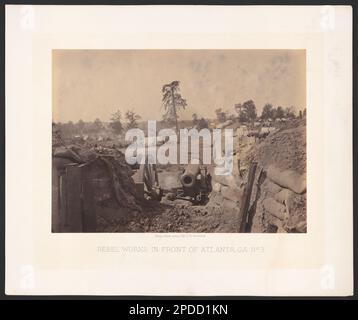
(246, 197)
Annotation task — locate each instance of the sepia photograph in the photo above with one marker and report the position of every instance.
(179, 151)
(188, 141)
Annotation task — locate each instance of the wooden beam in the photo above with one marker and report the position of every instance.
(245, 203)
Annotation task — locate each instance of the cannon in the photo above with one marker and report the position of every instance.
(196, 184)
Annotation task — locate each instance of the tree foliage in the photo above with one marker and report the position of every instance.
(132, 119)
(199, 123)
(221, 115)
(247, 111)
(289, 113)
(238, 107)
(116, 122)
(80, 125)
(279, 113)
(97, 125)
(267, 111)
(172, 102)
(202, 123)
(195, 118)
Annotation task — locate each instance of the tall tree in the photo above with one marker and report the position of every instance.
(290, 113)
(250, 109)
(195, 118)
(97, 125)
(267, 111)
(221, 115)
(70, 128)
(247, 111)
(202, 123)
(238, 107)
(116, 122)
(279, 112)
(56, 135)
(80, 125)
(172, 102)
(132, 118)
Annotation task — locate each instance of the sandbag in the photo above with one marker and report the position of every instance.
(287, 179)
(271, 187)
(283, 196)
(275, 208)
(232, 193)
(230, 180)
(216, 187)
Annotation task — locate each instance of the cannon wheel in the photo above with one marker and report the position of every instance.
(148, 175)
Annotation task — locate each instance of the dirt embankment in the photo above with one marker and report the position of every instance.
(278, 202)
(285, 147)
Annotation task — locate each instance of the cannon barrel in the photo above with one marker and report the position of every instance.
(188, 178)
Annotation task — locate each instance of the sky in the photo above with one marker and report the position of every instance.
(90, 84)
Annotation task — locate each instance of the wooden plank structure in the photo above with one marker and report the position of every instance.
(74, 208)
(246, 198)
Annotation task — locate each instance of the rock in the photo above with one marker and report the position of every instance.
(287, 179)
(275, 208)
